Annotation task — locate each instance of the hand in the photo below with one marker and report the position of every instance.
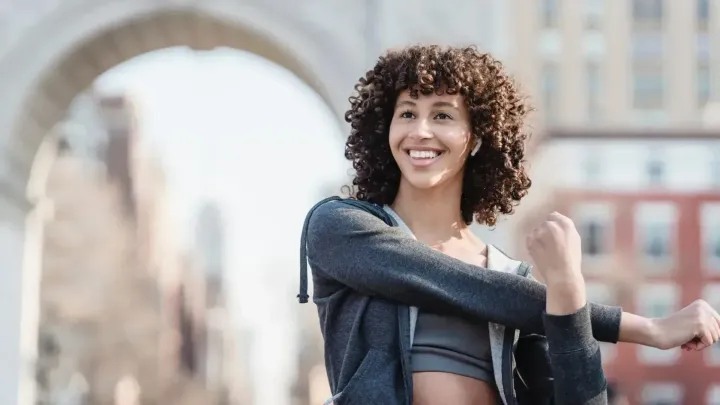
(555, 248)
(694, 327)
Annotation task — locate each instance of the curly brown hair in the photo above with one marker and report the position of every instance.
(494, 180)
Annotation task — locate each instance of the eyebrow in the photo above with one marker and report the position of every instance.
(410, 103)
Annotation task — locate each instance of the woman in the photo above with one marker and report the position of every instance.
(414, 309)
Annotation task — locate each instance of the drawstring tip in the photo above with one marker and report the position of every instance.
(303, 298)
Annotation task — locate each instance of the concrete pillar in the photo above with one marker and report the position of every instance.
(21, 226)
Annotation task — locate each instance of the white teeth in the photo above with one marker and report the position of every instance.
(423, 154)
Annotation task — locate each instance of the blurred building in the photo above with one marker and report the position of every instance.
(627, 144)
(647, 205)
(221, 360)
(311, 384)
(87, 249)
(119, 306)
(617, 63)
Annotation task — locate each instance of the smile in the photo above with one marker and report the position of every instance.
(423, 157)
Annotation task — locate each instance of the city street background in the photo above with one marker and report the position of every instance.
(159, 158)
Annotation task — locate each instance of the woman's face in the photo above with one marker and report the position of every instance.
(430, 138)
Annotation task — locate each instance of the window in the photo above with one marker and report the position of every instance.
(703, 68)
(657, 300)
(655, 235)
(550, 13)
(594, 10)
(648, 77)
(655, 168)
(662, 394)
(703, 83)
(594, 86)
(656, 118)
(710, 222)
(550, 90)
(711, 294)
(594, 222)
(593, 230)
(657, 246)
(703, 14)
(593, 45)
(647, 45)
(648, 13)
(715, 169)
(602, 293)
(648, 85)
(550, 44)
(591, 167)
(702, 43)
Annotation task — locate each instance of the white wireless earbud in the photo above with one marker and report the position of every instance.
(476, 148)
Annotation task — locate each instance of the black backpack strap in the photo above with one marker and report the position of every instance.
(363, 205)
(303, 295)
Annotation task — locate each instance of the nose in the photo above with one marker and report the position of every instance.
(421, 130)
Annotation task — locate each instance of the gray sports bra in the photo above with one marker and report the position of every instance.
(450, 344)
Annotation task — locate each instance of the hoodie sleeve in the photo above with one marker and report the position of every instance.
(359, 250)
(575, 360)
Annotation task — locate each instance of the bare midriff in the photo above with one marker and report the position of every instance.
(435, 388)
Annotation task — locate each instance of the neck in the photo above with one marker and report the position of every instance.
(433, 215)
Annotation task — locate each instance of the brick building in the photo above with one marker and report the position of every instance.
(648, 210)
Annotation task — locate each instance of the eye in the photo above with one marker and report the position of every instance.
(443, 116)
(407, 114)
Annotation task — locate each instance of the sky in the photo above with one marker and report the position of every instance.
(233, 128)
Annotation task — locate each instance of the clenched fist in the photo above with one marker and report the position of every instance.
(555, 249)
(694, 327)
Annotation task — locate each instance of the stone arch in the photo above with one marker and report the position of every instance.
(118, 31)
(61, 55)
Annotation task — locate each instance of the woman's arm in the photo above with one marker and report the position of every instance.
(573, 356)
(575, 360)
(359, 250)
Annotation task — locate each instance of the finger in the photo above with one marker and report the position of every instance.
(560, 218)
(690, 346)
(539, 235)
(706, 339)
(714, 330)
(553, 227)
(696, 345)
(529, 242)
(715, 326)
(716, 316)
(532, 237)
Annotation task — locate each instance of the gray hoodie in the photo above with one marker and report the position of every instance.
(368, 275)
